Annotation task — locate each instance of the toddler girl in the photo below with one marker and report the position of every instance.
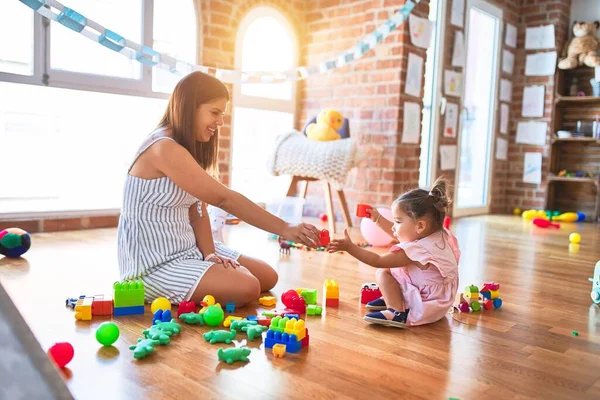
(418, 277)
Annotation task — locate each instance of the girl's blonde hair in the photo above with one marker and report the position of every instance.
(433, 204)
(180, 116)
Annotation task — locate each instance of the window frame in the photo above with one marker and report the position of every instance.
(43, 75)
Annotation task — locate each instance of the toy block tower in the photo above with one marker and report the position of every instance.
(291, 333)
(83, 309)
(102, 305)
(128, 298)
(331, 293)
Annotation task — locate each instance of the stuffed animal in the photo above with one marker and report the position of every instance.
(582, 49)
(329, 121)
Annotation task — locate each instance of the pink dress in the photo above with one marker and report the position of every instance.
(429, 293)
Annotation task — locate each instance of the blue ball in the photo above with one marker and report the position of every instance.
(14, 242)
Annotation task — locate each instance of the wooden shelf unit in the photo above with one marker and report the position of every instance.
(574, 153)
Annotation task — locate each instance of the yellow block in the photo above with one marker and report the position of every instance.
(331, 289)
(227, 322)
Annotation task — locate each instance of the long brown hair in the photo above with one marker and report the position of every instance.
(180, 116)
(433, 204)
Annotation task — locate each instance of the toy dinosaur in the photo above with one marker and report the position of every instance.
(219, 336)
(143, 348)
(172, 327)
(254, 330)
(235, 354)
(157, 334)
(237, 325)
(192, 318)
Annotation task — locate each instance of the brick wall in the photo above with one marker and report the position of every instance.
(533, 13)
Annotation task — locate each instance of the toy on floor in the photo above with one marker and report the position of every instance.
(326, 128)
(214, 315)
(235, 354)
(14, 242)
(284, 246)
(186, 307)
(574, 238)
(239, 324)
(595, 294)
(160, 303)
(206, 302)
(192, 318)
(61, 353)
(369, 292)
(490, 297)
(83, 309)
(254, 331)
(155, 333)
(161, 315)
(267, 301)
(227, 322)
(291, 333)
(309, 295)
(219, 336)
(102, 305)
(143, 348)
(294, 302)
(331, 293)
(567, 217)
(314, 310)
(171, 326)
(278, 350)
(230, 307)
(531, 214)
(544, 223)
(128, 297)
(107, 333)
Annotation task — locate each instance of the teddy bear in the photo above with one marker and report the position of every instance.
(582, 49)
(329, 121)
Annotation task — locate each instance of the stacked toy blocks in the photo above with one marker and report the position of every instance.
(128, 298)
(331, 293)
(291, 333)
(83, 309)
(102, 305)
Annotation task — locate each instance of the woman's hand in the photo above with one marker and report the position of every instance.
(227, 262)
(340, 244)
(306, 234)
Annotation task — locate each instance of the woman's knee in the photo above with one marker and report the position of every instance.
(249, 288)
(270, 278)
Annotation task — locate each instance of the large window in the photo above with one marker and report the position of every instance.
(72, 112)
(262, 111)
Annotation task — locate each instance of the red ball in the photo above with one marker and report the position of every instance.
(323, 217)
(61, 353)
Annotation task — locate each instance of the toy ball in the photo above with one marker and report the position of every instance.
(574, 238)
(14, 242)
(374, 234)
(516, 211)
(580, 217)
(213, 315)
(323, 217)
(61, 353)
(107, 333)
(160, 303)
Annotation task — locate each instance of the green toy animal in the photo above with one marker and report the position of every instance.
(143, 348)
(254, 331)
(157, 334)
(192, 318)
(173, 327)
(219, 336)
(240, 323)
(231, 355)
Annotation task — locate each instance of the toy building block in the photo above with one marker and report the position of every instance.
(292, 345)
(278, 350)
(290, 316)
(72, 301)
(128, 294)
(230, 307)
(369, 292)
(331, 293)
(186, 307)
(102, 305)
(278, 324)
(162, 315)
(267, 301)
(264, 321)
(310, 296)
(314, 310)
(296, 327)
(122, 311)
(84, 309)
(305, 340)
(300, 290)
(332, 302)
(230, 318)
(233, 354)
(471, 292)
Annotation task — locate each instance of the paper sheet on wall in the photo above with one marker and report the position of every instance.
(532, 132)
(451, 123)
(458, 52)
(501, 149)
(452, 83)
(540, 37)
(420, 31)
(505, 90)
(457, 13)
(411, 131)
(414, 73)
(540, 64)
(447, 157)
(533, 101)
(508, 61)
(504, 118)
(510, 38)
(532, 168)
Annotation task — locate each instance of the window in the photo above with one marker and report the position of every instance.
(263, 111)
(69, 140)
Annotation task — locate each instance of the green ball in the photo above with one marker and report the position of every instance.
(107, 333)
(213, 316)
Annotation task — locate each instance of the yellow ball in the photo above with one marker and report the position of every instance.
(574, 238)
(160, 304)
(517, 211)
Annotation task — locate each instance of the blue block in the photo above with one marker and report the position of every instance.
(134, 310)
(290, 316)
(486, 295)
(292, 345)
(162, 316)
(252, 318)
(148, 56)
(72, 19)
(33, 4)
(112, 40)
(230, 307)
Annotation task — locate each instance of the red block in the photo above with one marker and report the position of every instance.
(186, 307)
(367, 295)
(102, 305)
(332, 302)
(305, 340)
(264, 321)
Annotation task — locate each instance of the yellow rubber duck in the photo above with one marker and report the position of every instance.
(329, 121)
(207, 301)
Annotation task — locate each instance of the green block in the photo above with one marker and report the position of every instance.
(314, 310)
(310, 296)
(128, 293)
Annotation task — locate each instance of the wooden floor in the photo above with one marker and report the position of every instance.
(526, 349)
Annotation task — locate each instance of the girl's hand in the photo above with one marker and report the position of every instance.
(306, 234)
(227, 262)
(374, 214)
(340, 244)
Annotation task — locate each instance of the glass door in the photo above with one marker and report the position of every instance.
(483, 26)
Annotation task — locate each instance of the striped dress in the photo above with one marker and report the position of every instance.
(156, 242)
